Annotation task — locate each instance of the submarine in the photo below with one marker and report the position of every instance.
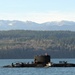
(41, 61)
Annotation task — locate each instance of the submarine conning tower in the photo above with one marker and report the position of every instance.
(42, 59)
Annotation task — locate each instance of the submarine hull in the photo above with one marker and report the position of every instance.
(41, 61)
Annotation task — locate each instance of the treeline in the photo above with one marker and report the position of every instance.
(26, 44)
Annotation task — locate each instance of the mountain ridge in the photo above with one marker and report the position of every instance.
(29, 25)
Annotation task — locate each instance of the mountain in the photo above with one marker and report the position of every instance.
(29, 25)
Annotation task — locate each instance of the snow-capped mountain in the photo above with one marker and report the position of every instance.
(29, 25)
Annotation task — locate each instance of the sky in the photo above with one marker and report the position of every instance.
(37, 10)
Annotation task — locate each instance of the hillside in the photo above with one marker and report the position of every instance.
(26, 44)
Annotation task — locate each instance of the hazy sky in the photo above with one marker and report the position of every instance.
(37, 10)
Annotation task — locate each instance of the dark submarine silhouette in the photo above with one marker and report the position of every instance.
(41, 61)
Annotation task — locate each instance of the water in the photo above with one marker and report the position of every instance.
(35, 71)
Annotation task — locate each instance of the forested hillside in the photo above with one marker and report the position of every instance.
(26, 44)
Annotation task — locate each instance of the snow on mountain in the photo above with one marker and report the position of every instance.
(29, 25)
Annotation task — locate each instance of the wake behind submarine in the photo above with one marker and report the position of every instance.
(41, 61)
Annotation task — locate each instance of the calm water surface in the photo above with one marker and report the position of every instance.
(35, 71)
